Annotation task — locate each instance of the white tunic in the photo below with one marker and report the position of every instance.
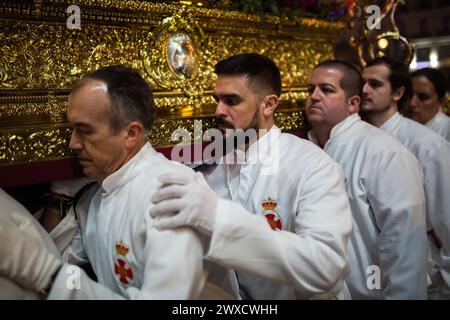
(440, 123)
(384, 185)
(130, 258)
(433, 154)
(286, 230)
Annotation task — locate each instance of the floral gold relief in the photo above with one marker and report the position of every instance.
(174, 46)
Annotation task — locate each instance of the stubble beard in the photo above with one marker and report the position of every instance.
(235, 138)
(371, 112)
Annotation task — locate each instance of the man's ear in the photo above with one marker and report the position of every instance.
(398, 94)
(270, 104)
(135, 132)
(353, 104)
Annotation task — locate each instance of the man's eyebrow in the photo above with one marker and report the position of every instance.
(82, 125)
(227, 95)
(372, 79)
(321, 84)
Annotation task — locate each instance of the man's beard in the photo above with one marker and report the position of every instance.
(367, 113)
(239, 138)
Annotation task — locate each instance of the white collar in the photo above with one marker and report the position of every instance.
(392, 123)
(344, 125)
(258, 151)
(128, 171)
(337, 130)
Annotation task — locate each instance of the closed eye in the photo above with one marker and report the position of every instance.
(327, 89)
(375, 83)
(422, 96)
(83, 128)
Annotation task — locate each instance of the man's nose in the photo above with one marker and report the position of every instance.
(75, 143)
(315, 94)
(365, 89)
(414, 101)
(221, 110)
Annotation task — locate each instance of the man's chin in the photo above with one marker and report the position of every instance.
(365, 106)
(88, 170)
(414, 116)
(88, 173)
(314, 117)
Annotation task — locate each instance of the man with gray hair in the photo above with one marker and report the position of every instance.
(111, 111)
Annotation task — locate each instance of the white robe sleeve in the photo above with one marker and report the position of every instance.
(313, 259)
(395, 192)
(173, 269)
(437, 190)
(173, 265)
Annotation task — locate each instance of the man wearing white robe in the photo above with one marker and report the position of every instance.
(280, 217)
(388, 244)
(111, 111)
(387, 85)
(440, 124)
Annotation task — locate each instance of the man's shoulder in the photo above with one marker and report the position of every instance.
(160, 164)
(378, 140)
(422, 139)
(418, 131)
(149, 170)
(442, 117)
(294, 147)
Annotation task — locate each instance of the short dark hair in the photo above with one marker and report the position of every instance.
(351, 81)
(256, 67)
(131, 97)
(437, 79)
(398, 77)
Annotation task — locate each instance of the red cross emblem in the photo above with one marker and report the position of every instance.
(274, 221)
(123, 273)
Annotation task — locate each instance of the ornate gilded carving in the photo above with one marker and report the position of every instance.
(24, 145)
(41, 59)
(33, 144)
(159, 56)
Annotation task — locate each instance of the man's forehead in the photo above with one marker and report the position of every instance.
(92, 86)
(231, 84)
(325, 75)
(88, 91)
(91, 96)
(422, 82)
(102, 87)
(379, 71)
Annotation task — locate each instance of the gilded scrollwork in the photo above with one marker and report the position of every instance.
(41, 59)
(41, 143)
(13, 148)
(47, 144)
(24, 145)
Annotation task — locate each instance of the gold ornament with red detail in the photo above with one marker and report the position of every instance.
(270, 213)
(122, 268)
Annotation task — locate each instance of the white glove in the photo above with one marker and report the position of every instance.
(24, 257)
(69, 187)
(184, 200)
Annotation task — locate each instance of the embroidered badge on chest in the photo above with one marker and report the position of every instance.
(270, 212)
(122, 268)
